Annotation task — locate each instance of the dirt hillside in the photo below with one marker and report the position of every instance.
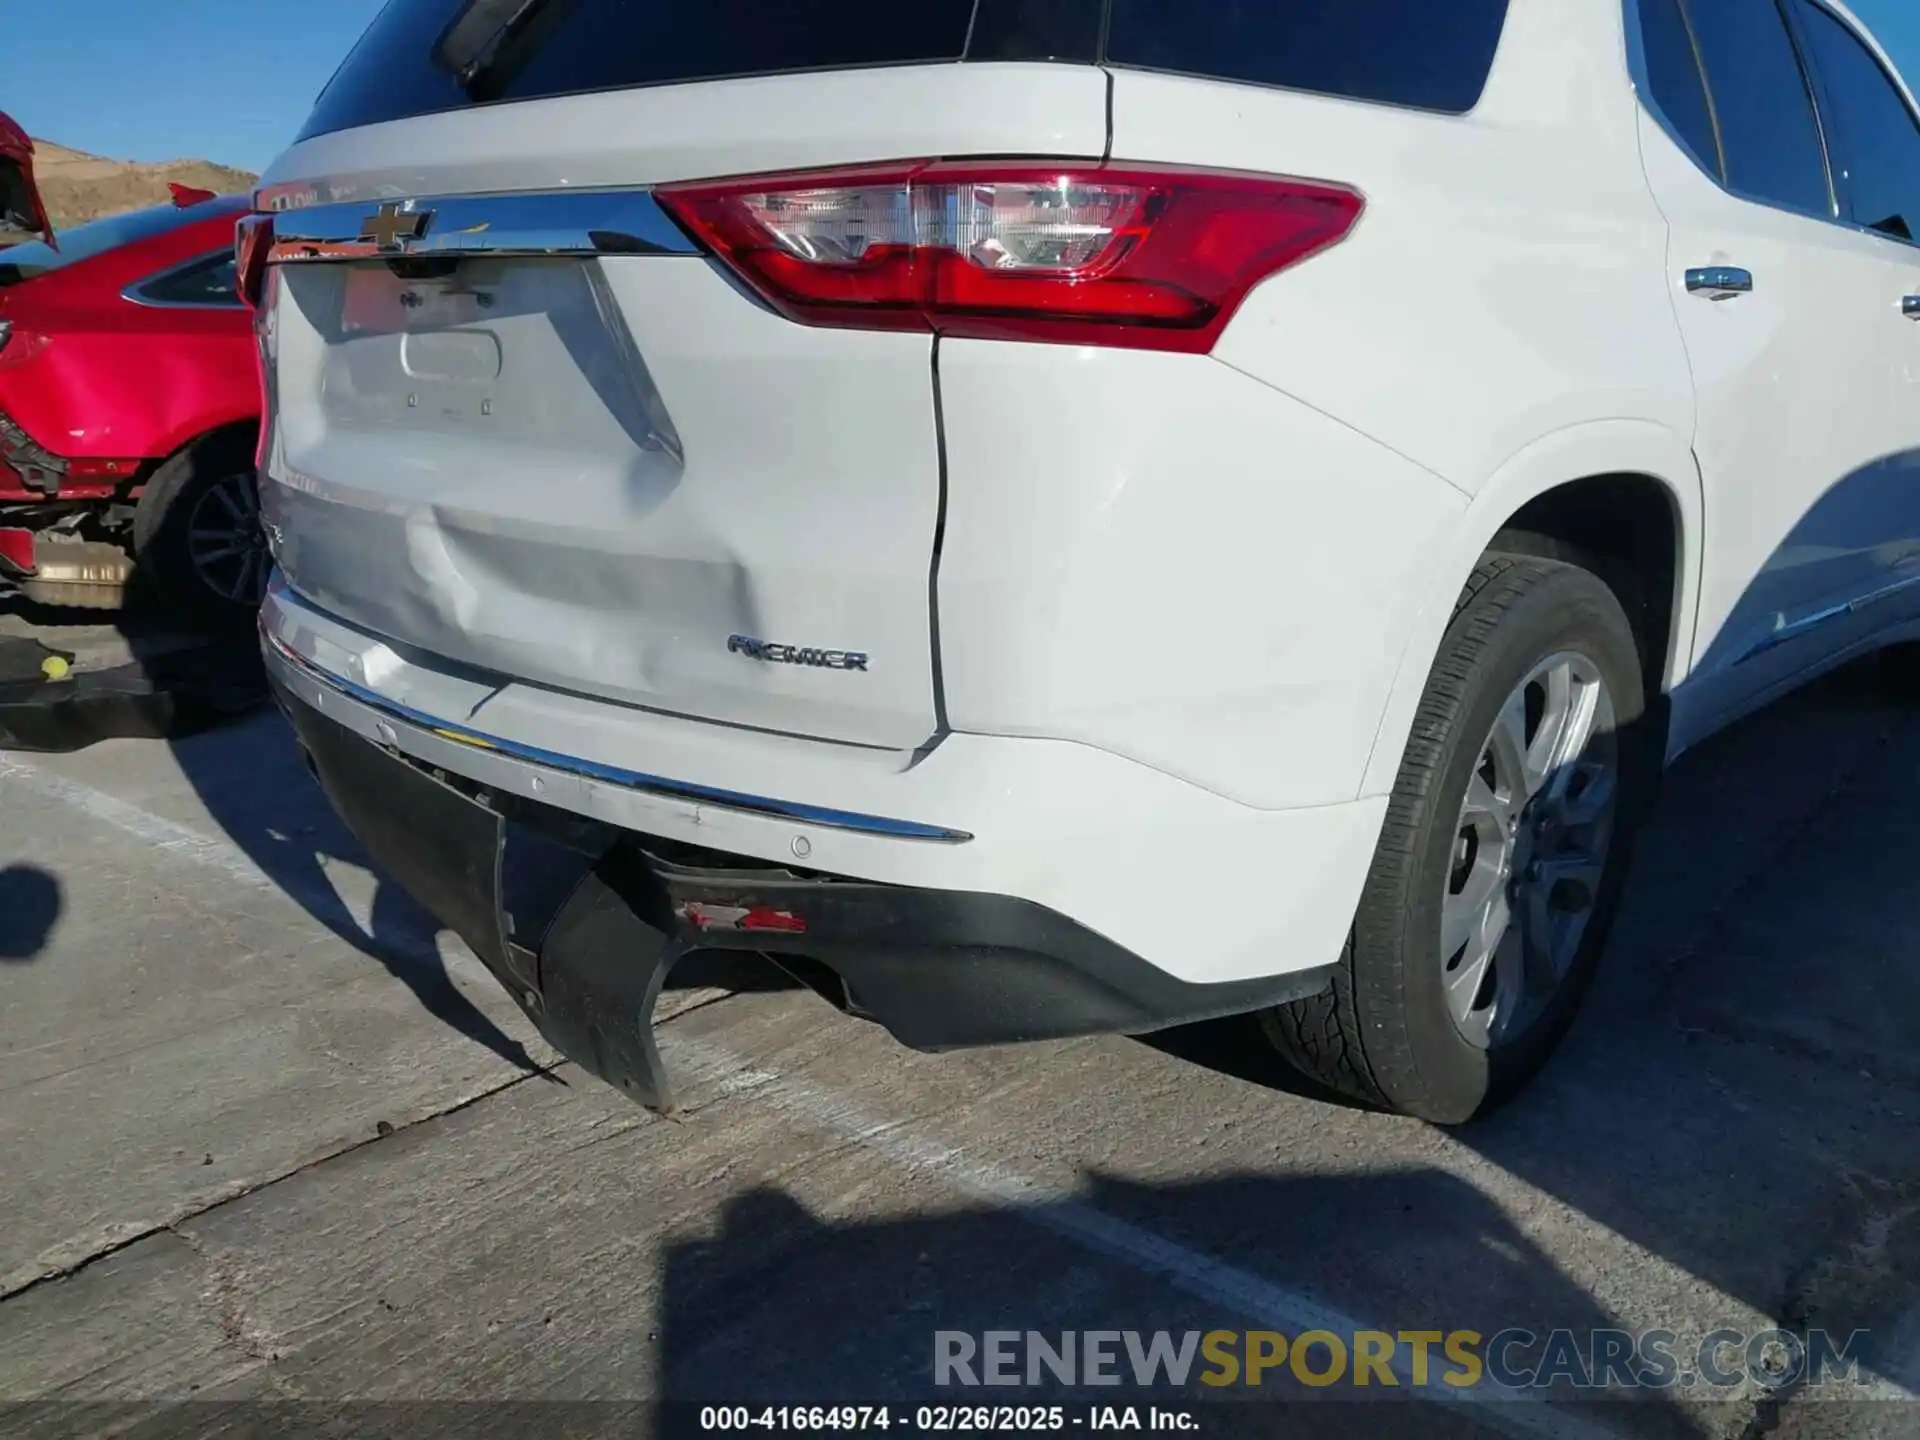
(79, 187)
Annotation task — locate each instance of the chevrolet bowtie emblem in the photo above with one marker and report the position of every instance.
(391, 226)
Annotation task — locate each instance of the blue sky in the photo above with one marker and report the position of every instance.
(223, 80)
(231, 80)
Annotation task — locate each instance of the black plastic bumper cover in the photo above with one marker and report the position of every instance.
(583, 923)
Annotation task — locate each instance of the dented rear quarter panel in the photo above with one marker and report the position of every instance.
(90, 374)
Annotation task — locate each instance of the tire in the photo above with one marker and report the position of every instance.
(1385, 1033)
(208, 486)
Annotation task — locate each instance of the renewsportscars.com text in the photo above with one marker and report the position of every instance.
(1513, 1359)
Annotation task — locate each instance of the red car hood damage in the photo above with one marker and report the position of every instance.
(23, 215)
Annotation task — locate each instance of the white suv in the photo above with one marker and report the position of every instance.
(1059, 516)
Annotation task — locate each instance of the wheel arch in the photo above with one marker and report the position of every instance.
(220, 429)
(161, 546)
(232, 429)
(1553, 491)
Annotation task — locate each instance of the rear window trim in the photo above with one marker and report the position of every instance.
(476, 107)
(139, 294)
(1100, 60)
(307, 132)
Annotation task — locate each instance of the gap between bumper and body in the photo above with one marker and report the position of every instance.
(582, 921)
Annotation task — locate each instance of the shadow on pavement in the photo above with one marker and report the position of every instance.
(773, 1299)
(1739, 1099)
(71, 679)
(780, 1307)
(255, 785)
(135, 674)
(31, 903)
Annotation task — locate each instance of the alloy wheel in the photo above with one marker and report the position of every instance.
(226, 542)
(1529, 850)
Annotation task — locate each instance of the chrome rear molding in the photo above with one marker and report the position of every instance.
(612, 774)
(541, 223)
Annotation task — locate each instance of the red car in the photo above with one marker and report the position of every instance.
(129, 404)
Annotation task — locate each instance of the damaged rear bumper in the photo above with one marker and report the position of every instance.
(582, 923)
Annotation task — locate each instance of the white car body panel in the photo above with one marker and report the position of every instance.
(514, 523)
(1607, 447)
(1803, 434)
(1151, 629)
(1514, 254)
(1070, 827)
(796, 497)
(1142, 553)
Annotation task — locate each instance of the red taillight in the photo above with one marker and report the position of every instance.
(766, 918)
(252, 239)
(16, 551)
(1150, 256)
(709, 915)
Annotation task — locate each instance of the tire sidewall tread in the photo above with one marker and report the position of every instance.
(1382, 1033)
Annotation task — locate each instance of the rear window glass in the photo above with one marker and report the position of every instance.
(83, 242)
(1419, 53)
(1767, 127)
(1673, 75)
(422, 56)
(207, 281)
(1872, 132)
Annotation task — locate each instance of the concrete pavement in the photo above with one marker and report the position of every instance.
(264, 1135)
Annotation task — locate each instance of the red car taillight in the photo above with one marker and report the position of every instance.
(252, 240)
(1148, 256)
(252, 247)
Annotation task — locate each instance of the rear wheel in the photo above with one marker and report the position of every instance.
(197, 532)
(1501, 861)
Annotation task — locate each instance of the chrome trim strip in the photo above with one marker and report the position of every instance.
(1793, 630)
(1719, 282)
(135, 294)
(614, 775)
(541, 223)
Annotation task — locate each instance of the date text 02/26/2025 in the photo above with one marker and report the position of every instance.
(943, 1419)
